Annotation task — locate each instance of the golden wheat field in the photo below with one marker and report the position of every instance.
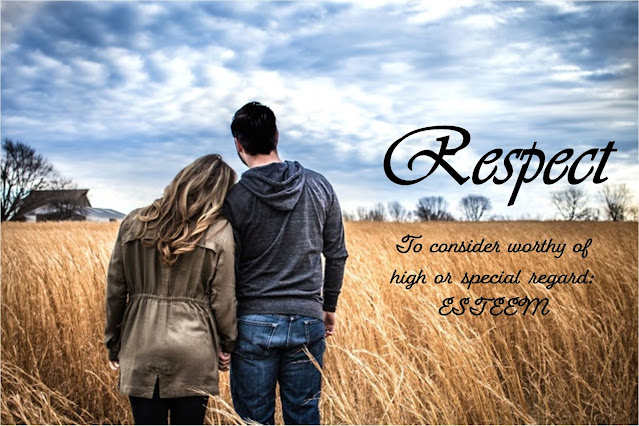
(394, 358)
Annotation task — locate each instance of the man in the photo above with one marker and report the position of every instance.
(284, 218)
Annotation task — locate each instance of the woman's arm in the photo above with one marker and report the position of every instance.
(223, 301)
(116, 300)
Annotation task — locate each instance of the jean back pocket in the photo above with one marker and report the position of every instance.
(314, 329)
(254, 337)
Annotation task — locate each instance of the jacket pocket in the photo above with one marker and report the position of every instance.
(254, 338)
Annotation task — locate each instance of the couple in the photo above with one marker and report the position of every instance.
(203, 280)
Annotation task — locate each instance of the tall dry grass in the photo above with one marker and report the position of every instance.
(394, 359)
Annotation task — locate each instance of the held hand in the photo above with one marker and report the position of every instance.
(329, 323)
(114, 365)
(225, 361)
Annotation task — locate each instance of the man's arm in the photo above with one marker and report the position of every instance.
(335, 254)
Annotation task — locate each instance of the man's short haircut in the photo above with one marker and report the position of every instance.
(254, 127)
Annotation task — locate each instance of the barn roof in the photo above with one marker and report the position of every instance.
(102, 213)
(41, 198)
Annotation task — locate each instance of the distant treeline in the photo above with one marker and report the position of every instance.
(612, 202)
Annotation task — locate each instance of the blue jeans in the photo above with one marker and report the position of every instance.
(270, 349)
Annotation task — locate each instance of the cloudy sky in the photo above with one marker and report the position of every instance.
(120, 96)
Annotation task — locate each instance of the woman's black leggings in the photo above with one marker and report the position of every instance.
(188, 410)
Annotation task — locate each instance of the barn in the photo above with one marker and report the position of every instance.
(65, 204)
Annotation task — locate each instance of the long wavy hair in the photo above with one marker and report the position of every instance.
(190, 204)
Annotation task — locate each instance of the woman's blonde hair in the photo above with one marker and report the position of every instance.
(190, 204)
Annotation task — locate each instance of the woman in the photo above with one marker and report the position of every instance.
(170, 297)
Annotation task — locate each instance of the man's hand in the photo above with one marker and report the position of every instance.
(114, 365)
(329, 323)
(225, 361)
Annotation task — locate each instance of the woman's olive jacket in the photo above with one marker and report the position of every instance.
(169, 323)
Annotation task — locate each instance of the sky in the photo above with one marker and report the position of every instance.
(120, 96)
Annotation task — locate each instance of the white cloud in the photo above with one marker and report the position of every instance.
(127, 63)
(564, 6)
(430, 11)
(90, 72)
(482, 21)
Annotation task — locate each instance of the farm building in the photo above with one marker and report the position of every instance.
(65, 204)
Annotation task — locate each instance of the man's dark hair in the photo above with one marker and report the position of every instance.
(254, 127)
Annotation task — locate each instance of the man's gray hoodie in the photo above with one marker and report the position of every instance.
(284, 218)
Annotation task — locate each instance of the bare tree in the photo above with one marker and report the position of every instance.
(475, 206)
(377, 213)
(68, 204)
(397, 212)
(361, 213)
(433, 208)
(349, 216)
(617, 201)
(23, 171)
(572, 204)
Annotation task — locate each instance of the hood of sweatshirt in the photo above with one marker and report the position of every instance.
(277, 184)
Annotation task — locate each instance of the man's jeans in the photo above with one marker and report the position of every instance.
(270, 349)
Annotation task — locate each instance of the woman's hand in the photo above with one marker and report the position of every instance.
(114, 365)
